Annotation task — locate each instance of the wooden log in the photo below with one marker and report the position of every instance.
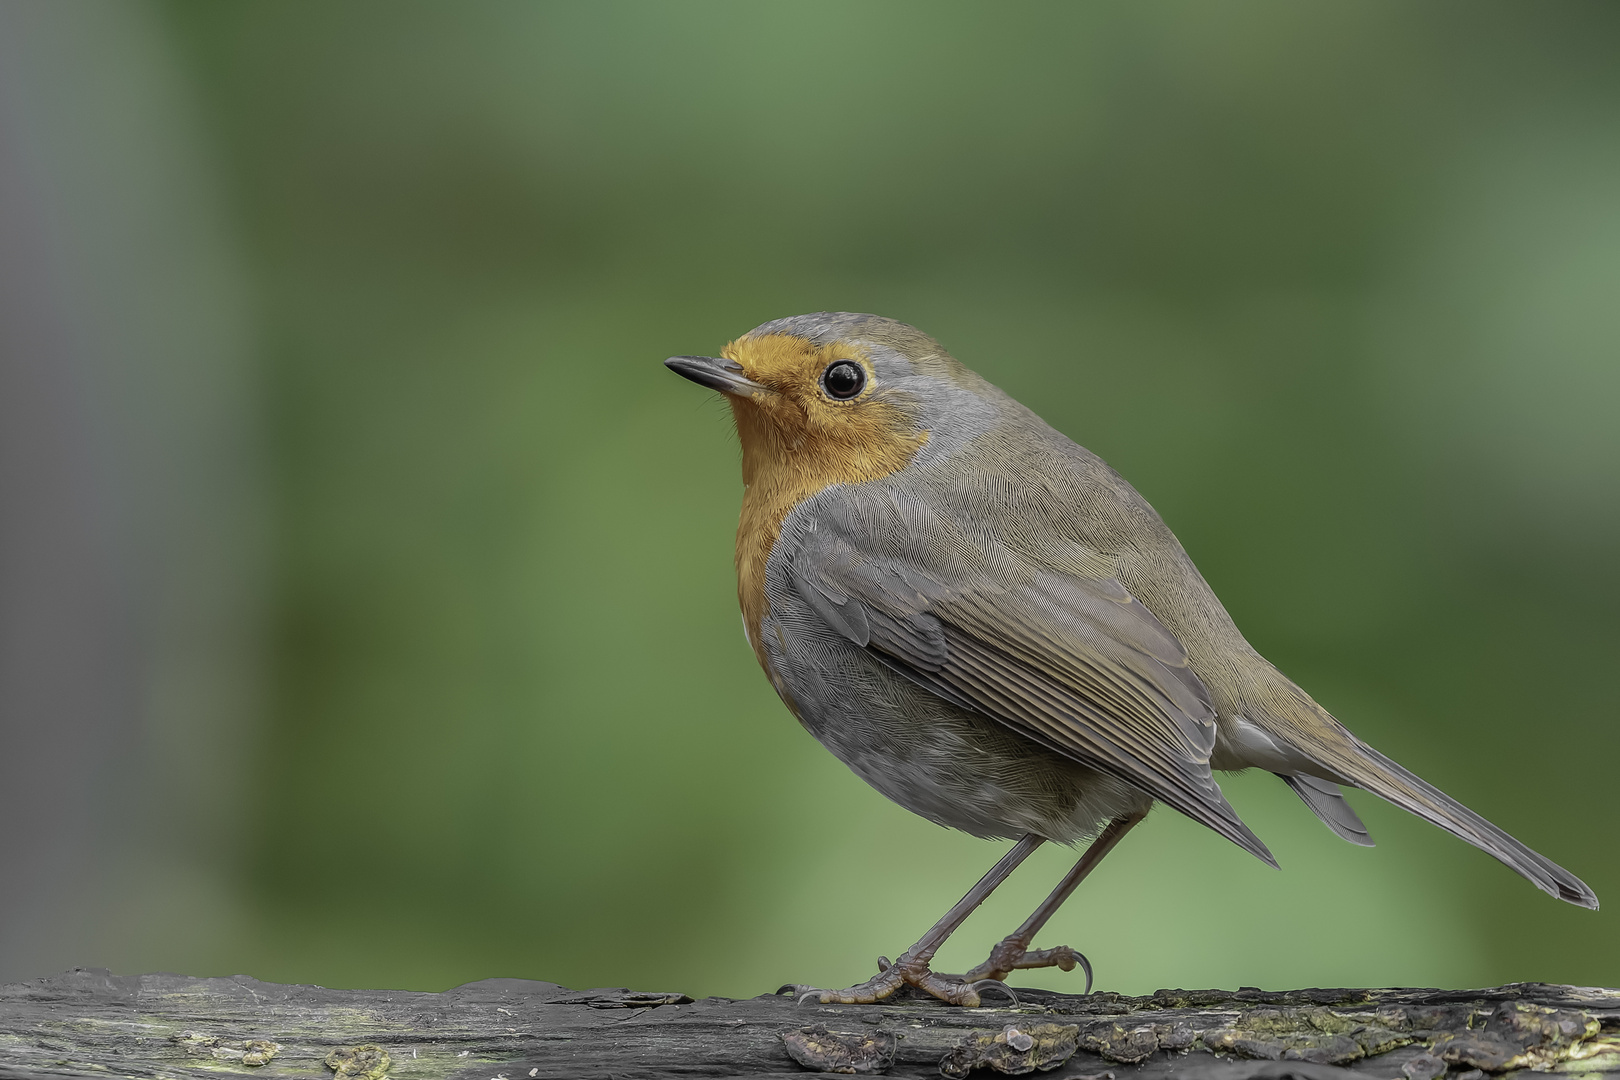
(89, 1023)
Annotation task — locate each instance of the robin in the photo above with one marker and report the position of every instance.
(993, 629)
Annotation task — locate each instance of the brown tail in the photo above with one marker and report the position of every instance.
(1288, 713)
(1389, 781)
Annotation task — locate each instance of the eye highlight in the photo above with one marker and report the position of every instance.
(843, 379)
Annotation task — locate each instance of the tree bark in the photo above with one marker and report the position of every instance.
(89, 1023)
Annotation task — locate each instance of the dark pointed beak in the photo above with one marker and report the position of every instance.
(722, 375)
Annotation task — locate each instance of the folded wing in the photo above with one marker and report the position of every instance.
(1077, 664)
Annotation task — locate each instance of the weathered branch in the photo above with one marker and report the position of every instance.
(91, 1023)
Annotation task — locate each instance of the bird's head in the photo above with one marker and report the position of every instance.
(843, 396)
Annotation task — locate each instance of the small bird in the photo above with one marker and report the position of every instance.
(993, 629)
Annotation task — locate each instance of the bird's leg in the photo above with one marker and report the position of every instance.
(912, 966)
(1013, 951)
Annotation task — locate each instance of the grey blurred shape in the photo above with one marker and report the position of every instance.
(130, 504)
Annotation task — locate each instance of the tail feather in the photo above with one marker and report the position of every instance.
(1392, 782)
(1327, 803)
(1287, 714)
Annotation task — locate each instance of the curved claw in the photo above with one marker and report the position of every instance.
(1085, 965)
(801, 992)
(994, 984)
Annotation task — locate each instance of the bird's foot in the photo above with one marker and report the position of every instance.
(1011, 955)
(951, 989)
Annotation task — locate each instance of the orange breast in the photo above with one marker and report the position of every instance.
(790, 452)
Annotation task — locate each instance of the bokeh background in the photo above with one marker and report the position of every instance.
(366, 603)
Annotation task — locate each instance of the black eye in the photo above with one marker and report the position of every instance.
(843, 379)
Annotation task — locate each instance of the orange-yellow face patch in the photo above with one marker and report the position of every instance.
(797, 441)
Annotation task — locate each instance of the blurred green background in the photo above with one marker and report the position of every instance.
(1335, 285)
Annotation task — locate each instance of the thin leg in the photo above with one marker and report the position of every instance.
(1012, 952)
(912, 967)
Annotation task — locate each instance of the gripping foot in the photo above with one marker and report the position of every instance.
(1011, 955)
(966, 990)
